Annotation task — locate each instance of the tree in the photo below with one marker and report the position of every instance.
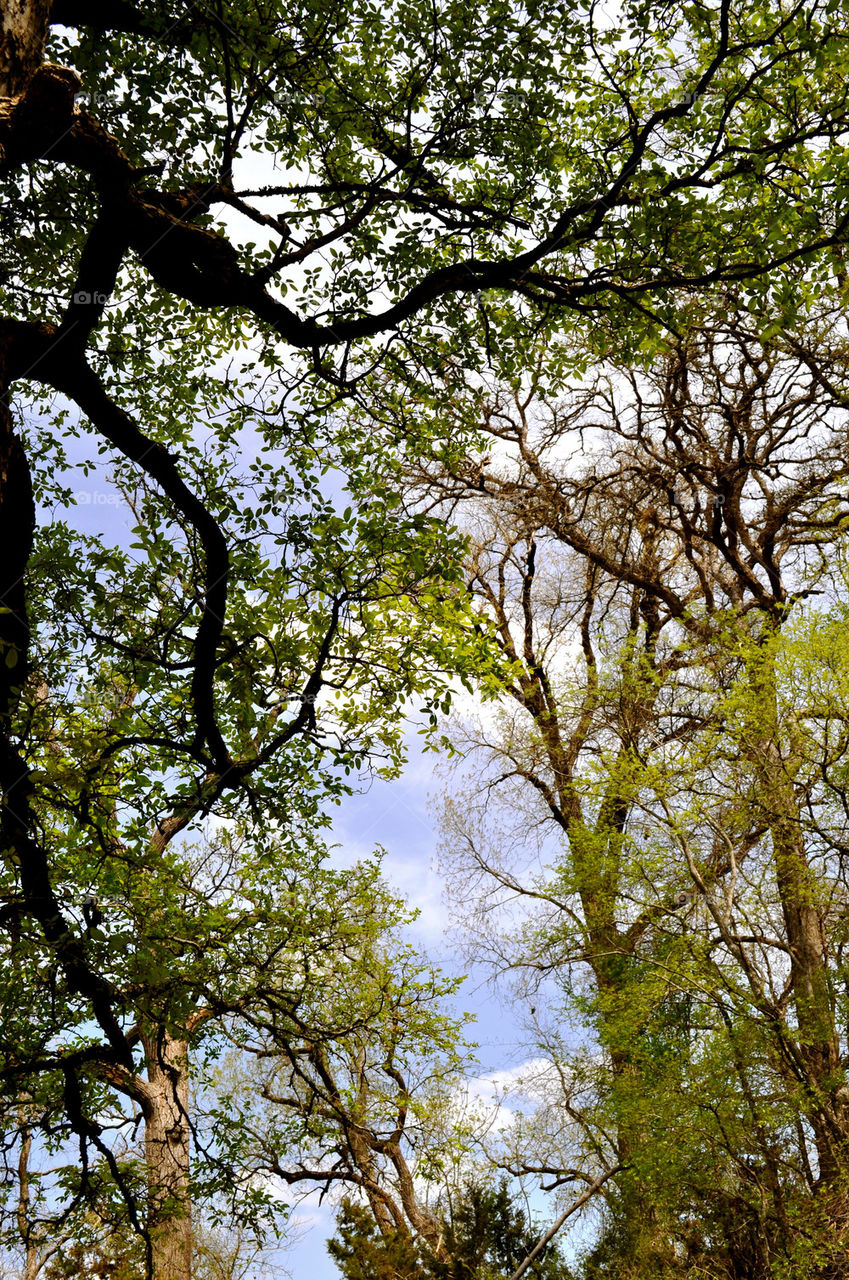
(178, 933)
(489, 1236)
(127, 142)
(486, 1236)
(652, 603)
(363, 1252)
(294, 1024)
(347, 1092)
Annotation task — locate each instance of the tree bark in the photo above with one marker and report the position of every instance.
(23, 31)
(32, 1256)
(167, 1150)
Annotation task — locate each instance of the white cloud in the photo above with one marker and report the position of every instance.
(491, 1098)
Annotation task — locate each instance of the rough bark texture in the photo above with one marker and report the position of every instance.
(23, 30)
(37, 121)
(166, 1111)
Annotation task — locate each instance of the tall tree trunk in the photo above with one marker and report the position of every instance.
(166, 1115)
(819, 1046)
(818, 1040)
(29, 1237)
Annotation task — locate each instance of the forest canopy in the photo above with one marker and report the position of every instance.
(351, 358)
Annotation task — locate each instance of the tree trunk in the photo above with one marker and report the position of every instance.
(23, 31)
(819, 1046)
(818, 1042)
(32, 1255)
(166, 1115)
